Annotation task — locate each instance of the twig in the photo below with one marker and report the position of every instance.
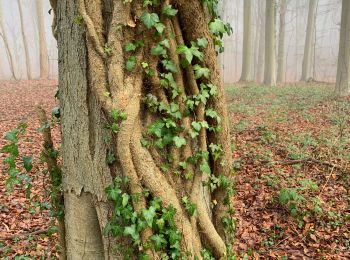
(38, 232)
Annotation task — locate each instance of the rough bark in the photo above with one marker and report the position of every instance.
(270, 43)
(308, 58)
(247, 43)
(281, 57)
(25, 42)
(343, 70)
(44, 61)
(86, 73)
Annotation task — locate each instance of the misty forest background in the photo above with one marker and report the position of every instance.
(325, 42)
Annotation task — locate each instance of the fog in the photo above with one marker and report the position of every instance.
(325, 47)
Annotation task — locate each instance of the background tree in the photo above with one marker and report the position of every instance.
(10, 55)
(270, 43)
(261, 53)
(247, 43)
(25, 42)
(343, 70)
(281, 57)
(130, 93)
(44, 62)
(308, 58)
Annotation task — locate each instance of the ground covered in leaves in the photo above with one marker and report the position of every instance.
(18, 214)
(291, 157)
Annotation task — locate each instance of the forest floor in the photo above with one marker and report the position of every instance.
(291, 157)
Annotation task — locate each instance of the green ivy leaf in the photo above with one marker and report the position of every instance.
(149, 19)
(27, 163)
(179, 141)
(159, 27)
(204, 167)
(159, 241)
(125, 199)
(158, 51)
(149, 215)
(169, 11)
(131, 63)
(130, 47)
(217, 27)
(200, 72)
(186, 52)
(131, 230)
(12, 135)
(202, 42)
(169, 65)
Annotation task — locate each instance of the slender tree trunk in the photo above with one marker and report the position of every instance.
(96, 86)
(281, 58)
(261, 55)
(25, 42)
(343, 70)
(44, 61)
(247, 43)
(310, 37)
(10, 55)
(270, 44)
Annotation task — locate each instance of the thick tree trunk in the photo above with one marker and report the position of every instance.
(308, 58)
(343, 71)
(261, 55)
(94, 82)
(247, 43)
(44, 61)
(281, 58)
(270, 44)
(25, 42)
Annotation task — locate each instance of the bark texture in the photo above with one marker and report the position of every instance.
(247, 43)
(270, 43)
(308, 59)
(93, 83)
(343, 70)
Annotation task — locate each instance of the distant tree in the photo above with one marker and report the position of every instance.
(343, 70)
(44, 62)
(10, 55)
(25, 42)
(270, 43)
(308, 58)
(247, 43)
(261, 50)
(281, 57)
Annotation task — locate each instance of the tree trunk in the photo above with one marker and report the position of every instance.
(281, 58)
(343, 70)
(270, 44)
(115, 94)
(309, 39)
(247, 43)
(25, 42)
(261, 55)
(10, 55)
(44, 61)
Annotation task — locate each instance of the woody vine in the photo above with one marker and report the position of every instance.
(152, 66)
(159, 87)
